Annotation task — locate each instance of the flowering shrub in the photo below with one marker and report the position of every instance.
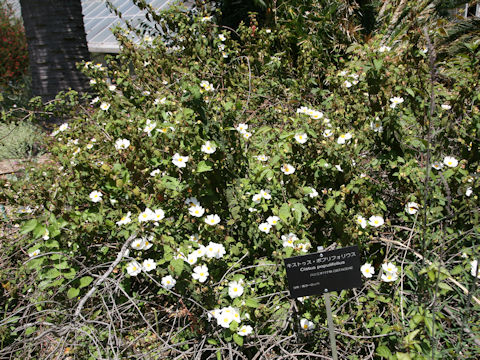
(13, 46)
(191, 179)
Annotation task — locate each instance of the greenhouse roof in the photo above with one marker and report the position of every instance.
(99, 20)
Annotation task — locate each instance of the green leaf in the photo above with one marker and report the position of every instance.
(338, 208)
(238, 339)
(384, 352)
(29, 226)
(212, 342)
(52, 273)
(30, 330)
(233, 326)
(61, 266)
(445, 286)
(284, 213)
(409, 338)
(403, 356)
(329, 204)
(252, 303)
(73, 292)
(177, 265)
(377, 63)
(204, 166)
(85, 281)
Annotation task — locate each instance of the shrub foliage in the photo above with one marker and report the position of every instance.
(212, 154)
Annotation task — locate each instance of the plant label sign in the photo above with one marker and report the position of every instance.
(323, 272)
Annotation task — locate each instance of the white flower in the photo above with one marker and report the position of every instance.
(347, 84)
(360, 220)
(104, 106)
(450, 161)
(343, 138)
(268, 31)
(446, 107)
(235, 289)
(222, 37)
(134, 268)
(196, 211)
(384, 48)
(155, 172)
(148, 265)
(168, 282)
(313, 193)
(245, 330)
(138, 244)
(395, 101)
(376, 125)
(34, 253)
(389, 277)
(273, 220)
(256, 198)
(206, 85)
(93, 81)
(206, 18)
(367, 270)
(125, 219)
(287, 169)
(95, 100)
(224, 319)
(192, 258)
(339, 168)
(301, 138)
(411, 208)
(389, 268)
(192, 201)
(437, 165)
(316, 115)
(376, 221)
(200, 273)
(122, 144)
(289, 240)
(306, 324)
(208, 148)
(327, 133)
(147, 242)
(145, 93)
(194, 237)
(63, 127)
(150, 127)
(147, 215)
(262, 157)
(212, 219)
(112, 87)
(474, 270)
(95, 196)
(265, 227)
(241, 128)
(246, 135)
(265, 194)
(180, 161)
(214, 250)
(158, 215)
(469, 191)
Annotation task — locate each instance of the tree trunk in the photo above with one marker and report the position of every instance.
(56, 42)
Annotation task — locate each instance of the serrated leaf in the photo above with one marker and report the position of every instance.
(284, 213)
(384, 352)
(85, 281)
(52, 273)
(403, 356)
(252, 303)
(30, 330)
(329, 204)
(177, 265)
(204, 166)
(445, 286)
(238, 339)
(73, 292)
(29, 226)
(338, 208)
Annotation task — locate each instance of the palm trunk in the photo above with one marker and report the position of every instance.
(56, 42)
